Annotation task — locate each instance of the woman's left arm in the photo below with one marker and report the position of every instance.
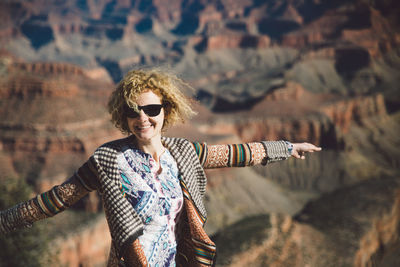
(249, 154)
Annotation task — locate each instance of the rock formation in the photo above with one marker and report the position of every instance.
(51, 113)
(317, 71)
(359, 223)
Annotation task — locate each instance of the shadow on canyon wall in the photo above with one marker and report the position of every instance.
(316, 71)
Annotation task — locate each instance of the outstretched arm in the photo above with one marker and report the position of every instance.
(249, 154)
(49, 203)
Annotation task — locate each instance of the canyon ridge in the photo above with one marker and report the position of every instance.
(315, 71)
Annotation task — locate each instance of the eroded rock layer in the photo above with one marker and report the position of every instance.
(318, 71)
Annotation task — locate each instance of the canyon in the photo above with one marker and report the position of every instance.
(315, 71)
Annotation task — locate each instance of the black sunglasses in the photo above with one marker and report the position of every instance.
(150, 110)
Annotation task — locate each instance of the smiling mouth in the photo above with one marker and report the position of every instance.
(144, 127)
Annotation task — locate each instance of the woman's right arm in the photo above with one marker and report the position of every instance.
(249, 154)
(51, 202)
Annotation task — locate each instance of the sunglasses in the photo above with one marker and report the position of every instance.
(150, 110)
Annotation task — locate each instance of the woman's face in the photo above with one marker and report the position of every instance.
(146, 127)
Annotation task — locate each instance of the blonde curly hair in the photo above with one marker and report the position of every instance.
(177, 107)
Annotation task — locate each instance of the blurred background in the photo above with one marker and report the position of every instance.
(326, 72)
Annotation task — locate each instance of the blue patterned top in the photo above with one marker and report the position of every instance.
(156, 197)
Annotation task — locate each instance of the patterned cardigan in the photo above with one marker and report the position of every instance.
(124, 223)
(194, 246)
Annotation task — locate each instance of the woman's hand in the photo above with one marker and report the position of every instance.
(299, 149)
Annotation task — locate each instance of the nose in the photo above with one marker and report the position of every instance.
(142, 116)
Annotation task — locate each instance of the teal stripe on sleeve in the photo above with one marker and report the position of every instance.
(49, 204)
(241, 155)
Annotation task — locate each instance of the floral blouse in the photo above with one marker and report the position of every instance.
(157, 198)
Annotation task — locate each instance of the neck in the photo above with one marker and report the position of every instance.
(154, 147)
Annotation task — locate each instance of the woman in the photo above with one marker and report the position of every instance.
(152, 187)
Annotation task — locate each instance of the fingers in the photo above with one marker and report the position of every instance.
(299, 149)
(297, 154)
(307, 147)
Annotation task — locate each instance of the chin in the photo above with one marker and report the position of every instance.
(146, 136)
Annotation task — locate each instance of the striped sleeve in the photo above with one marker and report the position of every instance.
(50, 203)
(61, 196)
(241, 155)
(65, 195)
(42, 206)
(233, 155)
(201, 151)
